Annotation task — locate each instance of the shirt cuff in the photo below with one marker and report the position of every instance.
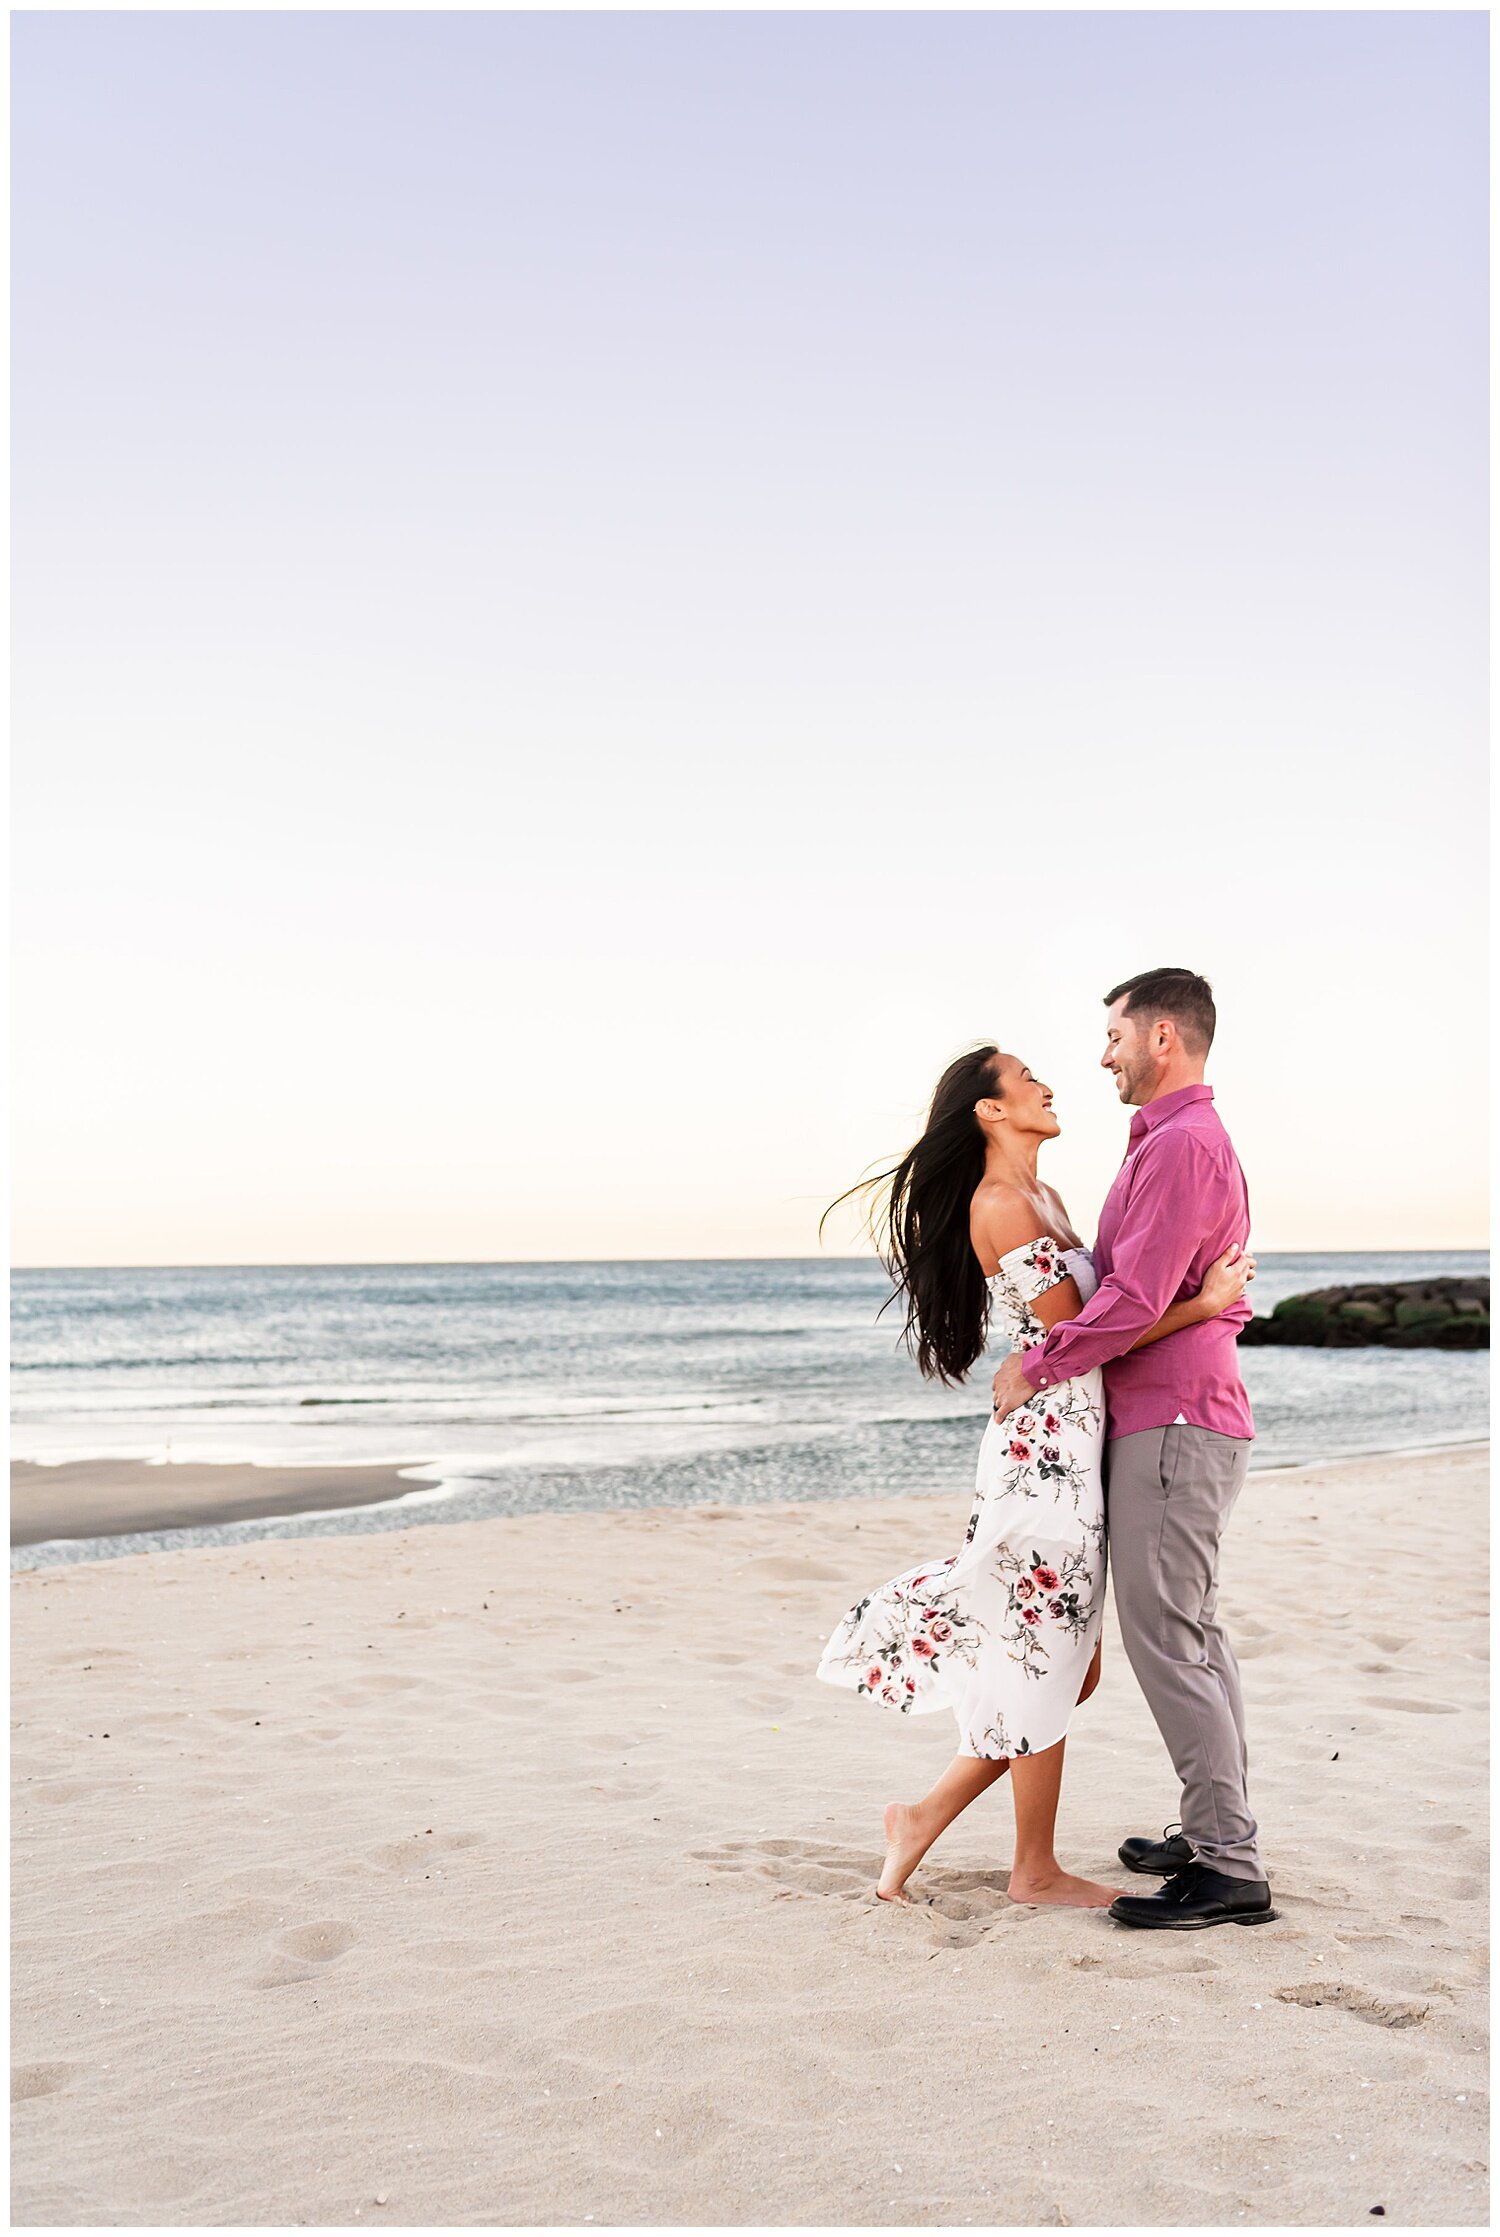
(1031, 1367)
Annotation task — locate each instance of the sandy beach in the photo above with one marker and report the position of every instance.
(519, 1872)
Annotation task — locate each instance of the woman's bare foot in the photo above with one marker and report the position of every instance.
(906, 1843)
(1061, 1887)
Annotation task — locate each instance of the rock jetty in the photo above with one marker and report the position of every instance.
(1451, 1313)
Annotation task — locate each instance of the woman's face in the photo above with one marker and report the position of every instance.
(1026, 1100)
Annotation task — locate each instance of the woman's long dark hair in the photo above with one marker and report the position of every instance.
(921, 1226)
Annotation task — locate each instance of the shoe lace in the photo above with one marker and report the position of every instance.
(1168, 1831)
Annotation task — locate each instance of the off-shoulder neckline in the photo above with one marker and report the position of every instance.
(1038, 1242)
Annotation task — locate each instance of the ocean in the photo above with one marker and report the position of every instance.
(511, 1388)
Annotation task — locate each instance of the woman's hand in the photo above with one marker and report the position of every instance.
(1226, 1281)
(1010, 1387)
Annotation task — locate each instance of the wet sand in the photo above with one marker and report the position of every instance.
(108, 1498)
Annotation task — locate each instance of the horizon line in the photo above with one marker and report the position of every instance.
(740, 1258)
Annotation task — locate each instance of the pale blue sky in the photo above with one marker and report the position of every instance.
(597, 594)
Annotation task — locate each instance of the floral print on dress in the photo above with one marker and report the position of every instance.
(899, 1639)
(1003, 1632)
(1046, 1595)
(1024, 1276)
(1043, 1456)
(994, 1742)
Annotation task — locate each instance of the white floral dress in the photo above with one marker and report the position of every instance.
(1002, 1633)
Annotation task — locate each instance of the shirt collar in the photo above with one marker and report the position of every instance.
(1152, 1114)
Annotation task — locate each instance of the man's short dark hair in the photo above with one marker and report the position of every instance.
(1169, 993)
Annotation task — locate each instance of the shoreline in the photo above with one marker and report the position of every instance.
(140, 1498)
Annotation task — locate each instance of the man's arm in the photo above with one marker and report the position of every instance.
(1173, 1205)
(1224, 1287)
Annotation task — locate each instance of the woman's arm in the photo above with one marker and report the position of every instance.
(1006, 1221)
(1225, 1281)
(1064, 1301)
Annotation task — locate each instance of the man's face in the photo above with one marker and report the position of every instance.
(1129, 1052)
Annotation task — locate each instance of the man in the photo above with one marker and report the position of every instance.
(1179, 1434)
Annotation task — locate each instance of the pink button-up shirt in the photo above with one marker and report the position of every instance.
(1178, 1202)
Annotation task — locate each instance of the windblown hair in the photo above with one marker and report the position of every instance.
(920, 1224)
(1172, 993)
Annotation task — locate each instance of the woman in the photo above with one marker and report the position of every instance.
(1006, 1633)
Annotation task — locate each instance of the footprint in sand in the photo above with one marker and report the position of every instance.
(37, 2081)
(968, 1901)
(1363, 2003)
(301, 1954)
(810, 1867)
(1386, 1643)
(1420, 1708)
(1454, 1891)
(413, 1853)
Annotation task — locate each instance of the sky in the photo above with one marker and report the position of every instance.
(597, 595)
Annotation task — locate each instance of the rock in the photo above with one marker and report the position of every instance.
(1412, 1311)
(1449, 1312)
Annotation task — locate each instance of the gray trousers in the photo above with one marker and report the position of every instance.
(1168, 1493)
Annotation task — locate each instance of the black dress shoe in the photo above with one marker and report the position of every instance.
(1196, 1897)
(1169, 1854)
